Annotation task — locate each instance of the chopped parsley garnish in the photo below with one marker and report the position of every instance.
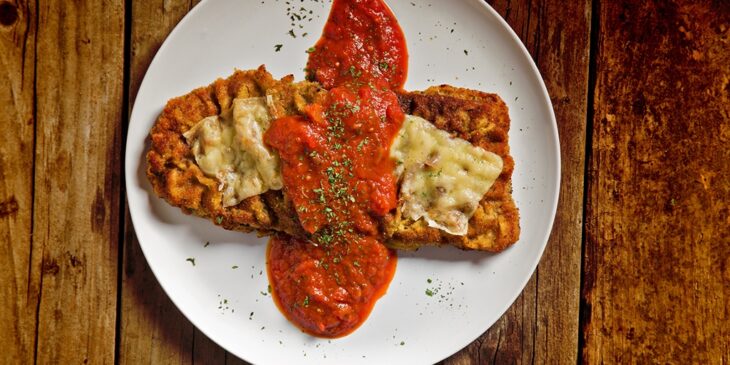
(306, 301)
(435, 174)
(353, 108)
(311, 49)
(354, 72)
(466, 52)
(324, 238)
(219, 219)
(191, 260)
(320, 195)
(362, 143)
(429, 292)
(277, 47)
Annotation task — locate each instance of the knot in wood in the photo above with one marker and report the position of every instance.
(8, 13)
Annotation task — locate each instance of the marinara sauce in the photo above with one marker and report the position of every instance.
(328, 292)
(338, 174)
(361, 41)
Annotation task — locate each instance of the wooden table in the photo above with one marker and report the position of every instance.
(638, 265)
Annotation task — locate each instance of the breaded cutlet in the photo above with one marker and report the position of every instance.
(483, 120)
(477, 117)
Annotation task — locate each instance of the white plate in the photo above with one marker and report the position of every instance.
(406, 325)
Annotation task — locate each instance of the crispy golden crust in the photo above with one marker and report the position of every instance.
(475, 116)
(177, 178)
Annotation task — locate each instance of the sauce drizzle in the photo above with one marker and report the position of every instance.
(338, 174)
(361, 41)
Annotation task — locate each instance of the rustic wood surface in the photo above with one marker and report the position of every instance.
(657, 262)
(641, 95)
(60, 180)
(18, 284)
(78, 91)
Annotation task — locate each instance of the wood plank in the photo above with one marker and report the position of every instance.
(19, 289)
(542, 324)
(152, 329)
(233, 360)
(657, 256)
(205, 351)
(77, 182)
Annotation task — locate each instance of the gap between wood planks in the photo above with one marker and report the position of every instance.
(584, 311)
(126, 111)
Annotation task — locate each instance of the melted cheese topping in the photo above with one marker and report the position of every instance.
(442, 178)
(230, 148)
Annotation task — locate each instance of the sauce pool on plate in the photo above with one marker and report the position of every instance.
(338, 173)
(328, 292)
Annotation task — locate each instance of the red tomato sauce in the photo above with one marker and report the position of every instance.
(336, 164)
(361, 41)
(338, 174)
(328, 293)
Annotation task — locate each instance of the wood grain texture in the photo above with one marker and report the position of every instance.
(18, 288)
(657, 262)
(152, 329)
(542, 325)
(77, 179)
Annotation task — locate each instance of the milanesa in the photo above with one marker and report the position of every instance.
(479, 118)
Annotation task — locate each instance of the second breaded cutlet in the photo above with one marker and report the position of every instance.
(475, 116)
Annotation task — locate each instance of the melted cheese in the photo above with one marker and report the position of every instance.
(230, 148)
(442, 178)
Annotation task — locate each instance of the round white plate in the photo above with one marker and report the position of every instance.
(462, 43)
